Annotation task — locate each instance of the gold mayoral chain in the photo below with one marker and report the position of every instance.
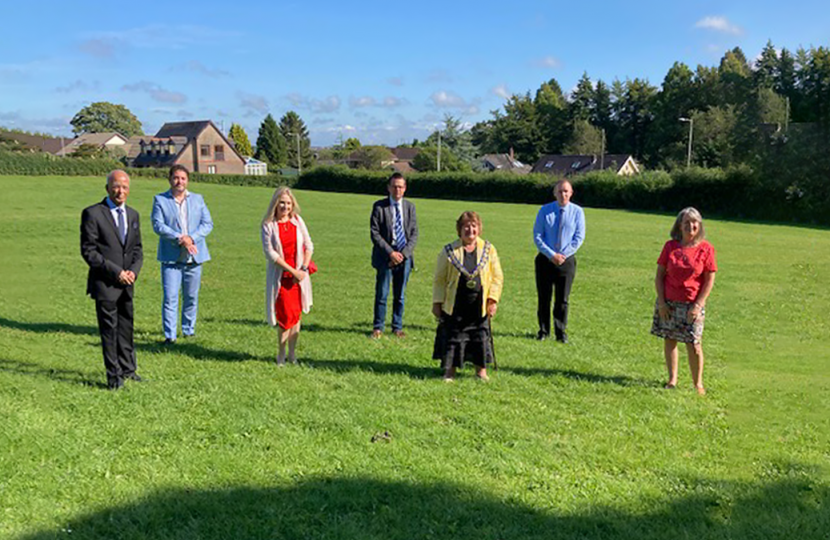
(471, 278)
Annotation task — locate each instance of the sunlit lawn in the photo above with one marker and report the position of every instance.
(575, 441)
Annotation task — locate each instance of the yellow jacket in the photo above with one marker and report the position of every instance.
(445, 283)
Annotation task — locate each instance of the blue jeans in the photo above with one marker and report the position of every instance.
(399, 275)
(188, 278)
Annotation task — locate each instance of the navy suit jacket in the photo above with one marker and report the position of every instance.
(382, 231)
(102, 250)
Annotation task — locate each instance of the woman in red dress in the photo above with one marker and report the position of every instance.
(288, 249)
(685, 277)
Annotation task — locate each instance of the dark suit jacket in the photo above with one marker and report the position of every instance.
(102, 250)
(382, 231)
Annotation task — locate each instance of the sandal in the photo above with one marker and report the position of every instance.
(700, 390)
(669, 386)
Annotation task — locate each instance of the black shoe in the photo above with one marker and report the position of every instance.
(115, 386)
(135, 377)
(541, 336)
(189, 336)
(168, 341)
(563, 339)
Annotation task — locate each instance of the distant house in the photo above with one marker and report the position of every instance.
(199, 146)
(504, 163)
(400, 159)
(254, 167)
(565, 166)
(102, 141)
(51, 145)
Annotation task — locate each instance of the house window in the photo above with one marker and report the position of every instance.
(549, 164)
(204, 150)
(211, 169)
(219, 152)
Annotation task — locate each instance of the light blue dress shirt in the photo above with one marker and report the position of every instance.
(570, 228)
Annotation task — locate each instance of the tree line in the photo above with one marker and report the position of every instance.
(731, 107)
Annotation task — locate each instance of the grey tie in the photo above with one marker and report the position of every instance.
(122, 225)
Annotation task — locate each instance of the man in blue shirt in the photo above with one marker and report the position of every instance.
(558, 233)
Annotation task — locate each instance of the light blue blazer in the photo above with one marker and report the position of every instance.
(166, 224)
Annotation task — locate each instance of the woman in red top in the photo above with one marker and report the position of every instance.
(288, 248)
(685, 276)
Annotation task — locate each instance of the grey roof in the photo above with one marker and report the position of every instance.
(503, 162)
(51, 145)
(559, 165)
(94, 139)
(191, 130)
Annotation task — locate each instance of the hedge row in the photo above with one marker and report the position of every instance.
(731, 193)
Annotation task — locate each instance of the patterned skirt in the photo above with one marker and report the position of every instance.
(677, 326)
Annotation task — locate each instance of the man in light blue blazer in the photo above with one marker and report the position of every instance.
(182, 221)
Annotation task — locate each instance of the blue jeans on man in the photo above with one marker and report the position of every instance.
(187, 278)
(398, 275)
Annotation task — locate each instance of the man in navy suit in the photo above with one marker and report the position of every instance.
(394, 232)
(182, 221)
(111, 246)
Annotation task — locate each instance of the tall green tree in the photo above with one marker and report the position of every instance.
(104, 116)
(270, 144)
(764, 74)
(579, 106)
(295, 132)
(457, 139)
(585, 140)
(240, 140)
(550, 116)
(634, 112)
(427, 160)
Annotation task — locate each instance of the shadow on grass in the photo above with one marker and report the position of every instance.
(197, 351)
(369, 366)
(73, 376)
(49, 327)
(621, 380)
(337, 508)
(364, 328)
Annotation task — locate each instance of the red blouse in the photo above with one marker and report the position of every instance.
(685, 269)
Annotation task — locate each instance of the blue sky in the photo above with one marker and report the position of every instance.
(379, 71)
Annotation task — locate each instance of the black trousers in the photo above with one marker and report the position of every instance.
(115, 324)
(549, 279)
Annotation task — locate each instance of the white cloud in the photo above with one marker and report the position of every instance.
(326, 105)
(451, 100)
(363, 101)
(156, 92)
(719, 24)
(501, 91)
(253, 103)
(194, 66)
(79, 86)
(547, 62)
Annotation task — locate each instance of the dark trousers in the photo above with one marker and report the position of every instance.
(398, 275)
(115, 324)
(549, 279)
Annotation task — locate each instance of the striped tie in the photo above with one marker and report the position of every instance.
(400, 237)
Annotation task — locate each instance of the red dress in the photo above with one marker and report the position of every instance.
(289, 302)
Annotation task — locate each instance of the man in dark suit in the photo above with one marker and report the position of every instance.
(111, 246)
(394, 233)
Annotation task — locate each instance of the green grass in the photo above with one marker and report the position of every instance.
(565, 442)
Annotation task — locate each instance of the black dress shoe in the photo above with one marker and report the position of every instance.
(541, 336)
(115, 386)
(135, 377)
(563, 339)
(168, 341)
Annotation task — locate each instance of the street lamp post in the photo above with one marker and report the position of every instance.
(439, 151)
(691, 122)
(299, 157)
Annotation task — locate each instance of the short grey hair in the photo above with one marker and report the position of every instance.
(693, 214)
(112, 174)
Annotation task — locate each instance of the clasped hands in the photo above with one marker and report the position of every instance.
(187, 242)
(395, 258)
(557, 259)
(126, 277)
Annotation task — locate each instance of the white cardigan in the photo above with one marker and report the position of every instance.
(272, 247)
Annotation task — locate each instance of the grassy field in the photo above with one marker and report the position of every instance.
(575, 441)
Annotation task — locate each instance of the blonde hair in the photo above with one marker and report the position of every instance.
(271, 214)
(693, 214)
